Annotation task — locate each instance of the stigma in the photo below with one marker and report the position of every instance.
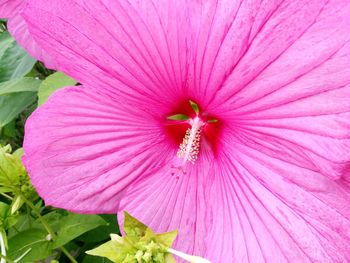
(189, 148)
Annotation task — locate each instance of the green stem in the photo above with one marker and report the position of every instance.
(48, 228)
(41, 218)
(29, 217)
(3, 246)
(71, 258)
(7, 196)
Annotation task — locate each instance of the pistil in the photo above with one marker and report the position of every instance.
(189, 148)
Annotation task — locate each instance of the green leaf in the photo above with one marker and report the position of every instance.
(18, 153)
(4, 189)
(14, 61)
(93, 259)
(101, 233)
(112, 250)
(23, 223)
(16, 204)
(3, 210)
(53, 219)
(19, 85)
(140, 244)
(178, 117)
(74, 225)
(11, 168)
(133, 228)
(52, 83)
(7, 220)
(15, 96)
(167, 238)
(14, 179)
(34, 242)
(194, 106)
(9, 130)
(5, 42)
(169, 259)
(12, 105)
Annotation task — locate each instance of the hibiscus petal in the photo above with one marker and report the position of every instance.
(263, 212)
(296, 39)
(82, 149)
(311, 115)
(172, 200)
(19, 30)
(223, 32)
(9, 8)
(246, 206)
(292, 87)
(157, 49)
(321, 143)
(131, 48)
(263, 198)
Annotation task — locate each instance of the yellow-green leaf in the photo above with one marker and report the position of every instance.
(167, 238)
(132, 227)
(52, 83)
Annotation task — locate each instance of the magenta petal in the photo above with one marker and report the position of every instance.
(305, 119)
(83, 149)
(246, 207)
(209, 50)
(170, 200)
(320, 143)
(294, 40)
(268, 210)
(291, 87)
(140, 55)
(19, 30)
(9, 8)
(274, 73)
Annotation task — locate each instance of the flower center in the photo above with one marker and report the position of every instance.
(190, 146)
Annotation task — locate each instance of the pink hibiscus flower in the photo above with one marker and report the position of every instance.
(11, 9)
(271, 137)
